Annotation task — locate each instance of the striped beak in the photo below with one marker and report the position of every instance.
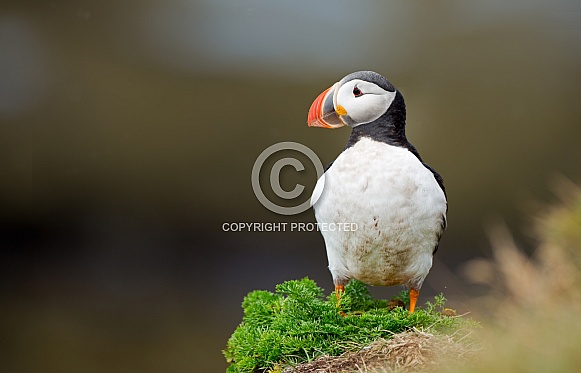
(322, 112)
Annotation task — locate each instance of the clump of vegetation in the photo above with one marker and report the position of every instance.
(296, 324)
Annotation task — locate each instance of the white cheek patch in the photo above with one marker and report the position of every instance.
(374, 102)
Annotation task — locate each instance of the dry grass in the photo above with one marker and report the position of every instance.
(412, 351)
(548, 280)
(532, 321)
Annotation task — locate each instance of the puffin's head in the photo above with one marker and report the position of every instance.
(359, 98)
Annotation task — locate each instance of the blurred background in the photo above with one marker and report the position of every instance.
(128, 132)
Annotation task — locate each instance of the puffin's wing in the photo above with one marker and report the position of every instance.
(318, 191)
(319, 186)
(444, 221)
(443, 224)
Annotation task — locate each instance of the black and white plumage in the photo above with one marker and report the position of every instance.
(380, 183)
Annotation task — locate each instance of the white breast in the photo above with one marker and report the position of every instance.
(397, 205)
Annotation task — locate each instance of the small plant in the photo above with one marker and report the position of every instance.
(296, 323)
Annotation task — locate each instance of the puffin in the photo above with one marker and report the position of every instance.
(393, 203)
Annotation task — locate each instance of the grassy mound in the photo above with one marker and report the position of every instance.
(413, 351)
(297, 323)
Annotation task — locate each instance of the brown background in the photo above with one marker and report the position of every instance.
(128, 131)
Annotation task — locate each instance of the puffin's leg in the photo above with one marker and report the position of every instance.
(414, 293)
(338, 290)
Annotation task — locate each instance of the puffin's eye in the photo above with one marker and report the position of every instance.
(357, 92)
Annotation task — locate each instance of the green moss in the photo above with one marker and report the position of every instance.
(297, 323)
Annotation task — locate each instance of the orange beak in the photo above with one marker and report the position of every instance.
(322, 112)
